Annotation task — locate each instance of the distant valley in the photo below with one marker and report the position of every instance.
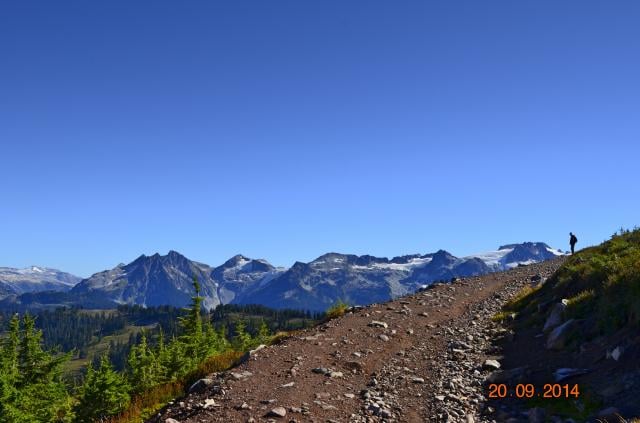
(167, 280)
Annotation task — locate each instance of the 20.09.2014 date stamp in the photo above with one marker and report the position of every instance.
(529, 390)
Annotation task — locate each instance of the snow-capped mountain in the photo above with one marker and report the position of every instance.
(367, 279)
(161, 280)
(239, 274)
(320, 283)
(153, 280)
(167, 280)
(512, 255)
(34, 279)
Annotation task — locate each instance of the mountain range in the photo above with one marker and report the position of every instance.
(167, 280)
(34, 279)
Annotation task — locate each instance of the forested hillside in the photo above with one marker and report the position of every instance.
(137, 357)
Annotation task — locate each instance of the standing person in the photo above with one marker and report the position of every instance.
(572, 241)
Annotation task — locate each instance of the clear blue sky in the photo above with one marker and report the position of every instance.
(287, 129)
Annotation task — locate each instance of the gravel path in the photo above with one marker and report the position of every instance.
(419, 358)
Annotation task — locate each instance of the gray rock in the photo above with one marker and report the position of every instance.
(566, 373)
(557, 339)
(378, 324)
(555, 317)
(491, 364)
(617, 353)
(241, 375)
(277, 412)
(209, 402)
(504, 376)
(201, 385)
(251, 353)
(384, 337)
(384, 413)
(321, 370)
(170, 420)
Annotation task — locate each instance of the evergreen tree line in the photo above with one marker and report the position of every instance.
(32, 387)
(75, 330)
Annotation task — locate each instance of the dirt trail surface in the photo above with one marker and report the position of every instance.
(419, 358)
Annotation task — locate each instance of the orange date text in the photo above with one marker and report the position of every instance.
(528, 390)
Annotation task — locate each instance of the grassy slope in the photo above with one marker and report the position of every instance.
(601, 284)
(101, 346)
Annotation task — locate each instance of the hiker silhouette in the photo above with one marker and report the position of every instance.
(572, 240)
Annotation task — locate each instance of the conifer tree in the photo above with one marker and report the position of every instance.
(31, 385)
(263, 333)
(144, 368)
(242, 340)
(104, 393)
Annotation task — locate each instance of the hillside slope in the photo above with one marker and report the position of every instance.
(418, 358)
(586, 320)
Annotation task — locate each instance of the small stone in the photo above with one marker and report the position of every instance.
(378, 324)
(277, 412)
(209, 402)
(417, 380)
(241, 375)
(321, 370)
(491, 364)
(348, 395)
(170, 420)
(201, 385)
(616, 353)
(336, 374)
(287, 385)
(383, 337)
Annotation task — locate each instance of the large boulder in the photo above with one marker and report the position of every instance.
(555, 317)
(558, 337)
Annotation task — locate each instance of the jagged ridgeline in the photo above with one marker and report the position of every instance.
(358, 280)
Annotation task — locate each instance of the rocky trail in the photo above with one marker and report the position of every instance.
(423, 357)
